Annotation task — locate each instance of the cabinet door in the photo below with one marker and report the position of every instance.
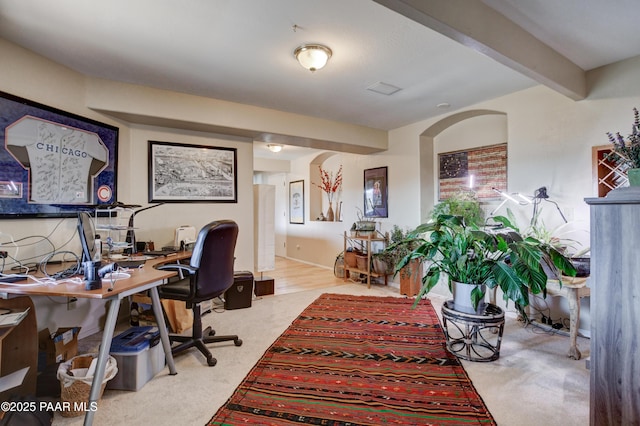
(19, 348)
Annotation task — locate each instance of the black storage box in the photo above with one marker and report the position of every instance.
(264, 286)
(239, 295)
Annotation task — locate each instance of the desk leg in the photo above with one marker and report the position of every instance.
(573, 301)
(162, 327)
(103, 355)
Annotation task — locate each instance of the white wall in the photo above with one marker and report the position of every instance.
(159, 224)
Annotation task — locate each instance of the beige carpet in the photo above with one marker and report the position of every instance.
(533, 382)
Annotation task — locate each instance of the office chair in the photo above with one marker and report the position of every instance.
(208, 275)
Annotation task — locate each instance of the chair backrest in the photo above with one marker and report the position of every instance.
(213, 255)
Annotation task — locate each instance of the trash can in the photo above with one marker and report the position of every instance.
(75, 383)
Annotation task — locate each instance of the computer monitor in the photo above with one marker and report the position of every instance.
(87, 235)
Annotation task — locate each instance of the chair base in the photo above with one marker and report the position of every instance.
(199, 338)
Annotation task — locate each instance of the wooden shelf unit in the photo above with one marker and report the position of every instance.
(365, 242)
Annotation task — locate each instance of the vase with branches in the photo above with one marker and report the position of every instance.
(626, 152)
(330, 184)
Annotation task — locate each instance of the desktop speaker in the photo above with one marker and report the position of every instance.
(239, 295)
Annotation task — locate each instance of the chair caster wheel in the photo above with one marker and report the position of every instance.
(211, 361)
(237, 342)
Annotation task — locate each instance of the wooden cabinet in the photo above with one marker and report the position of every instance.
(363, 265)
(19, 348)
(615, 308)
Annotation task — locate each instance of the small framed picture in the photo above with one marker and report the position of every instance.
(375, 192)
(296, 202)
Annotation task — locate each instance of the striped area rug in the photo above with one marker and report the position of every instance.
(358, 360)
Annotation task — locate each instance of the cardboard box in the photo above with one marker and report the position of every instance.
(144, 314)
(57, 347)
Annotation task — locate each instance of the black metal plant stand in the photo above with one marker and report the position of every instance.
(474, 337)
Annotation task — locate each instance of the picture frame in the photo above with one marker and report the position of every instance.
(296, 202)
(481, 170)
(376, 192)
(53, 163)
(181, 173)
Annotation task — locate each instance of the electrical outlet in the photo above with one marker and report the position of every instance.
(71, 303)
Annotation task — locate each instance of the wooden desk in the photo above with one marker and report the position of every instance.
(146, 278)
(573, 289)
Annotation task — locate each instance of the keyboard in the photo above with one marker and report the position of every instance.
(130, 263)
(159, 253)
(12, 278)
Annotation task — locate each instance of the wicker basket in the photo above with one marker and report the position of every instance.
(361, 262)
(76, 389)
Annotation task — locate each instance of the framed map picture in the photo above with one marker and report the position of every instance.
(181, 173)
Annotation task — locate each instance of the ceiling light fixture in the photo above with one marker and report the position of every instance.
(274, 147)
(312, 56)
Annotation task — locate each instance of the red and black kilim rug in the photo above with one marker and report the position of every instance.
(358, 360)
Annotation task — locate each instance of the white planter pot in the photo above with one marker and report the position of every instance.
(462, 297)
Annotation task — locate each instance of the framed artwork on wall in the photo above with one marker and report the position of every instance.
(53, 163)
(296, 202)
(478, 169)
(376, 192)
(180, 173)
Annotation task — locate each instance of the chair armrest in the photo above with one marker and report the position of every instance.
(183, 270)
(178, 267)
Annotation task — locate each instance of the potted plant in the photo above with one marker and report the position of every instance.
(400, 245)
(627, 151)
(556, 237)
(474, 259)
(463, 203)
(364, 225)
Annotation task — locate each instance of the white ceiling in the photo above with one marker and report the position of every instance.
(242, 50)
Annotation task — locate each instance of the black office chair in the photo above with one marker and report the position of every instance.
(208, 275)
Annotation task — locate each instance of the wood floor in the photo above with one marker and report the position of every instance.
(292, 276)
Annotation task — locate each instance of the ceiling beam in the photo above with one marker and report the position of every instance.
(476, 25)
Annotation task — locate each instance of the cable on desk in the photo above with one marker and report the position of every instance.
(115, 276)
(66, 273)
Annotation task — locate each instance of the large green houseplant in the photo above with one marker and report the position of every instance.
(467, 254)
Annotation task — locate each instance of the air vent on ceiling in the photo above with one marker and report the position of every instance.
(383, 88)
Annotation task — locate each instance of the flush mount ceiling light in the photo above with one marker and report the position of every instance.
(312, 56)
(274, 147)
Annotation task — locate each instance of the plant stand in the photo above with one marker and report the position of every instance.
(363, 266)
(472, 336)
